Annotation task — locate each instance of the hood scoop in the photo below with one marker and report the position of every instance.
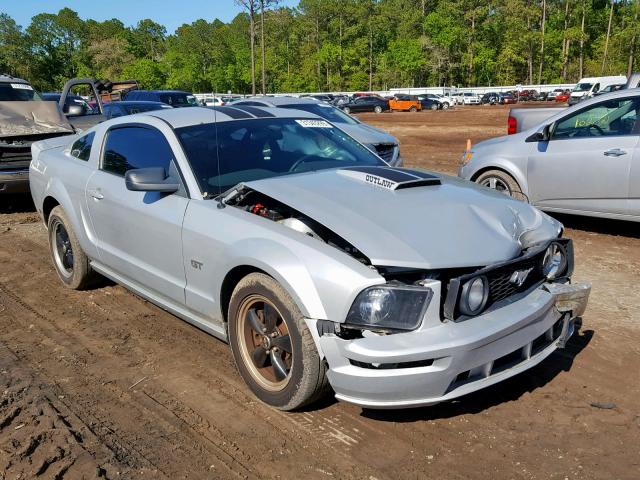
(390, 178)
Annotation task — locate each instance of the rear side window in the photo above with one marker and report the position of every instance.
(81, 148)
(129, 148)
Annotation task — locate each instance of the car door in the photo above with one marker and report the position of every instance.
(138, 233)
(360, 104)
(586, 163)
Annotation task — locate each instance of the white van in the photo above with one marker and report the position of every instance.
(588, 86)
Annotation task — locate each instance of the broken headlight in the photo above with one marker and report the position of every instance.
(389, 307)
(554, 262)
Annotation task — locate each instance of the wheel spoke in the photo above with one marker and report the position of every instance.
(254, 321)
(270, 317)
(492, 182)
(259, 356)
(279, 367)
(283, 342)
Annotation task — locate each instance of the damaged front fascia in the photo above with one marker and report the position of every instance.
(24, 119)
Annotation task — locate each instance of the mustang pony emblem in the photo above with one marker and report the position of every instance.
(519, 277)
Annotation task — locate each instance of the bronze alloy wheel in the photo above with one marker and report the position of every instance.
(264, 342)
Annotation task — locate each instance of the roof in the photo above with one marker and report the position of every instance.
(185, 117)
(277, 101)
(9, 79)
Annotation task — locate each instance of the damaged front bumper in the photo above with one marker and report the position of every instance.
(452, 359)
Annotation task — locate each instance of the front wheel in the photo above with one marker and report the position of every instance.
(272, 347)
(501, 182)
(413, 109)
(346, 110)
(445, 106)
(378, 109)
(434, 106)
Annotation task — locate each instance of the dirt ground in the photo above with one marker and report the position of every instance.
(101, 384)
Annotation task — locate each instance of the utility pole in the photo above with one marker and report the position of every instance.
(544, 20)
(606, 43)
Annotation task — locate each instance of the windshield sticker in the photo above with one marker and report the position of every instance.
(313, 123)
(21, 86)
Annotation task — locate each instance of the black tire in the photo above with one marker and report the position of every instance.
(434, 106)
(346, 110)
(378, 109)
(445, 106)
(413, 108)
(306, 378)
(70, 261)
(500, 181)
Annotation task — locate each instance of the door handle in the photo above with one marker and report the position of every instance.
(95, 194)
(615, 152)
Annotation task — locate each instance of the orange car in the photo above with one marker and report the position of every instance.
(405, 103)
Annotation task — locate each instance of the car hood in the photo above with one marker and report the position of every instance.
(367, 134)
(452, 224)
(31, 118)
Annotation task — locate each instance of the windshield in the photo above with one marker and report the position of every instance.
(177, 99)
(327, 112)
(246, 150)
(583, 87)
(17, 92)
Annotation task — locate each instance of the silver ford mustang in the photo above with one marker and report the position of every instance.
(320, 264)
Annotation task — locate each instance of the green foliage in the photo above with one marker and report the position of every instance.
(334, 45)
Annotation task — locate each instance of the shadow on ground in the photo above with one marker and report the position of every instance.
(16, 204)
(506, 391)
(599, 225)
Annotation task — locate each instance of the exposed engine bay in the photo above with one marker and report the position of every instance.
(264, 206)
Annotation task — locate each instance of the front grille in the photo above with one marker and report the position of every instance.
(385, 151)
(506, 279)
(501, 285)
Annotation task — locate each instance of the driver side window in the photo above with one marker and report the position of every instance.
(611, 118)
(129, 148)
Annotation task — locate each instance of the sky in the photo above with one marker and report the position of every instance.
(170, 13)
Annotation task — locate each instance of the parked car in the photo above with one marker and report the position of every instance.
(583, 160)
(610, 88)
(175, 98)
(363, 104)
(25, 117)
(445, 102)
(120, 109)
(562, 97)
(490, 98)
(427, 103)
(469, 98)
(381, 142)
(212, 101)
(318, 263)
(405, 103)
(589, 86)
(506, 99)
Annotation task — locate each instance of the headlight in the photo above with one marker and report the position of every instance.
(475, 294)
(389, 307)
(554, 262)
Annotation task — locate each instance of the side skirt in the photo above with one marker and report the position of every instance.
(171, 307)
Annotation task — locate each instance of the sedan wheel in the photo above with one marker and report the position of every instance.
(272, 346)
(378, 109)
(434, 106)
(501, 182)
(346, 110)
(445, 105)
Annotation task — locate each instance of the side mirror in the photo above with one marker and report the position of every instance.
(542, 135)
(75, 110)
(151, 179)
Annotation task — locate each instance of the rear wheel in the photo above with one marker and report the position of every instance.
(378, 109)
(346, 110)
(413, 108)
(69, 260)
(272, 346)
(434, 106)
(445, 105)
(501, 182)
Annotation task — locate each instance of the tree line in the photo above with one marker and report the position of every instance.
(335, 45)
